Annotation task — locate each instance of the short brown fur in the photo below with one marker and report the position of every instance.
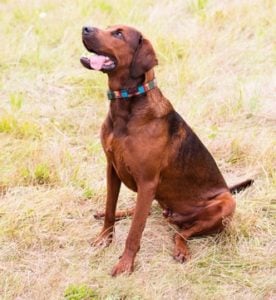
(153, 151)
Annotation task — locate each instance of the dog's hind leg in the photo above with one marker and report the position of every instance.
(210, 219)
(119, 215)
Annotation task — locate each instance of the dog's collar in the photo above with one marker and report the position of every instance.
(131, 92)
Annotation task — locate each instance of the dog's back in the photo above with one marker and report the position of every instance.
(192, 173)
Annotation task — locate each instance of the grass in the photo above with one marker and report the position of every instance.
(216, 65)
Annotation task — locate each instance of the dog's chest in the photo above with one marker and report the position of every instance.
(119, 155)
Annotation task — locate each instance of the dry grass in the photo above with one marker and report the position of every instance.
(217, 65)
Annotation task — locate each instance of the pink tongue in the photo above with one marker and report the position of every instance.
(97, 61)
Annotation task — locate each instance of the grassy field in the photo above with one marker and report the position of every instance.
(216, 65)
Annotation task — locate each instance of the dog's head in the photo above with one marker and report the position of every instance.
(118, 48)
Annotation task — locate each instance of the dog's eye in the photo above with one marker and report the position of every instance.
(118, 34)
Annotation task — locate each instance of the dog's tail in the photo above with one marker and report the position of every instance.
(240, 186)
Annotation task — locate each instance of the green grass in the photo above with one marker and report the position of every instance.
(79, 292)
(216, 65)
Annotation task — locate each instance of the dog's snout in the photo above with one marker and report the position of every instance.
(87, 29)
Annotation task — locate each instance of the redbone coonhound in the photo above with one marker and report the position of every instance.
(151, 149)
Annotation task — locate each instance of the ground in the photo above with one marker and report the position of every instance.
(216, 65)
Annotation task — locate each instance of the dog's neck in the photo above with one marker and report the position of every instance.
(120, 111)
(141, 106)
(118, 82)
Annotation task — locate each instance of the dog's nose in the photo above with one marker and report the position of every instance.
(87, 29)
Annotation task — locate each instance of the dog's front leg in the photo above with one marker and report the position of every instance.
(146, 193)
(113, 189)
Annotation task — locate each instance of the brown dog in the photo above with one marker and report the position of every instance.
(151, 149)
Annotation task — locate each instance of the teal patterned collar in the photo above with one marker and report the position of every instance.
(131, 92)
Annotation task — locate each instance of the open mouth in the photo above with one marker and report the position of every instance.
(98, 62)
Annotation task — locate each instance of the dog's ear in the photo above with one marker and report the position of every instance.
(144, 59)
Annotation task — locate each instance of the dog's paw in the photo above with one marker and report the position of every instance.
(99, 215)
(181, 253)
(125, 265)
(104, 239)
